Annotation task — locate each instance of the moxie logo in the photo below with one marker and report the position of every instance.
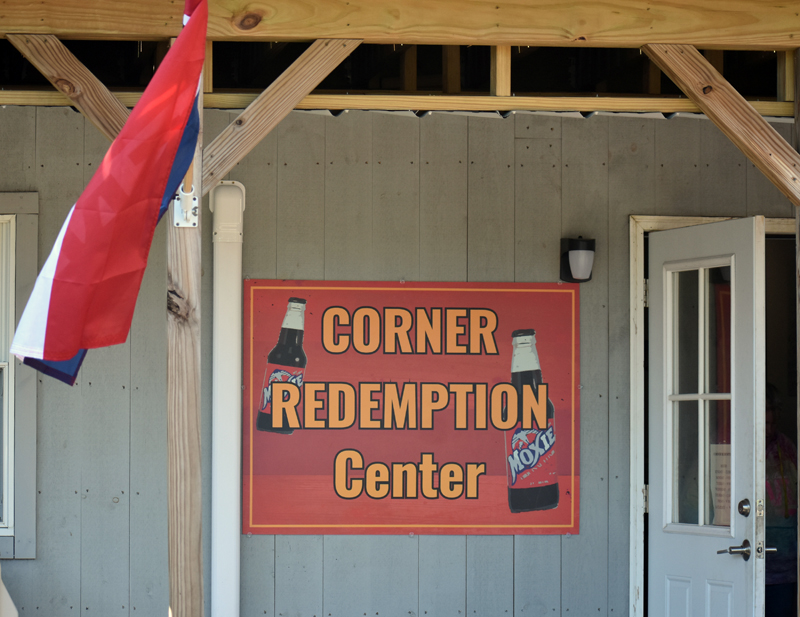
(529, 447)
(282, 376)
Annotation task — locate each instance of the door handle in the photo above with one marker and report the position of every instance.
(743, 550)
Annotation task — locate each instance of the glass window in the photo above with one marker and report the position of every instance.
(700, 348)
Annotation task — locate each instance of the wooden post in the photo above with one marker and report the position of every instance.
(410, 69)
(500, 73)
(451, 69)
(183, 409)
(208, 69)
(786, 76)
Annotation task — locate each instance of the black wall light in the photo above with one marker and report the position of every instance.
(577, 257)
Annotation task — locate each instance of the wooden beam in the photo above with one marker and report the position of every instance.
(732, 114)
(410, 68)
(451, 69)
(786, 72)
(428, 102)
(744, 24)
(208, 69)
(272, 106)
(70, 77)
(500, 72)
(184, 464)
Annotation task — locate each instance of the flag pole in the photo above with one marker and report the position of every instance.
(183, 405)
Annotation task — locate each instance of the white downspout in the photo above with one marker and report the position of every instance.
(227, 204)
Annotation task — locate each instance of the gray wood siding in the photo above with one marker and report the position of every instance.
(366, 196)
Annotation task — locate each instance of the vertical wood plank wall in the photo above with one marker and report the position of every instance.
(366, 195)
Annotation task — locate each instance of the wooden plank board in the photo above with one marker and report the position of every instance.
(274, 104)
(59, 179)
(373, 575)
(443, 576)
(25, 381)
(18, 154)
(443, 168)
(105, 494)
(451, 69)
(490, 575)
(786, 75)
(723, 174)
(677, 181)
(301, 197)
(537, 208)
(409, 76)
(105, 458)
(395, 197)
(763, 197)
(490, 245)
(348, 196)
(537, 229)
(715, 23)
(298, 575)
(585, 212)
(537, 575)
(149, 530)
(184, 454)
(732, 114)
(631, 181)
(258, 576)
(149, 576)
(500, 70)
(404, 102)
(69, 76)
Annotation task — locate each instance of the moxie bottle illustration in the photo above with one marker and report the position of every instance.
(286, 362)
(530, 454)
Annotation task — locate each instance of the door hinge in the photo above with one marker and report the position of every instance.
(646, 495)
(646, 293)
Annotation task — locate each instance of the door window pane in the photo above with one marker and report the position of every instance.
(718, 463)
(685, 463)
(718, 329)
(685, 332)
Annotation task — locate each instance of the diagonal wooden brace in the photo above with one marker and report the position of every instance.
(74, 80)
(734, 116)
(272, 106)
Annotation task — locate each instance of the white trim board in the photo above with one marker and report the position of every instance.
(638, 226)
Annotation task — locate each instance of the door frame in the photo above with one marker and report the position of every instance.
(639, 225)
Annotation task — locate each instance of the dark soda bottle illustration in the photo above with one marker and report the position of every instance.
(530, 454)
(286, 362)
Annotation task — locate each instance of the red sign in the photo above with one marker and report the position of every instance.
(386, 408)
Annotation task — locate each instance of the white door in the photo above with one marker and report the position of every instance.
(706, 420)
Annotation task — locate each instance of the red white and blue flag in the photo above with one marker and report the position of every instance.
(86, 292)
